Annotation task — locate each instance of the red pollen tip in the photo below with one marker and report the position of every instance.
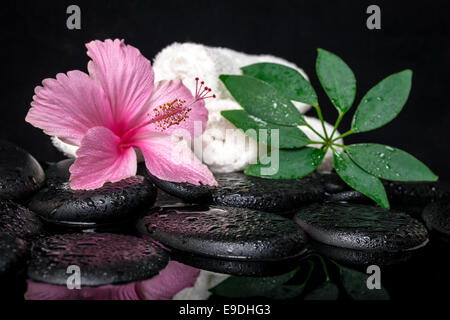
(201, 91)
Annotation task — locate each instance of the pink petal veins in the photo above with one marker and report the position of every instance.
(69, 106)
(169, 159)
(125, 75)
(101, 158)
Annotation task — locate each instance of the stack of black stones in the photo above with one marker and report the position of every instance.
(130, 230)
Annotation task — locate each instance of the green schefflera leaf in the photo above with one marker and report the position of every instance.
(284, 292)
(291, 164)
(245, 287)
(326, 291)
(288, 137)
(262, 100)
(355, 284)
(359, 179)
(383, 102)
(286, 80)
(337, 79)
(389, 163)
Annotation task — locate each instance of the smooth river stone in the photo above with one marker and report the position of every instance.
(58, 172)
(103, 258)
(361, 227)
(332, 183)
(13, 253)
(20, 174)
(416, 193)
(270, 195)
(112, 203)
(242, 191)
(164, 286)
(18, 221)
(361, 257)
(437, 217)
(226, 233)
(188, 192)
(237, 267)
(348, 196)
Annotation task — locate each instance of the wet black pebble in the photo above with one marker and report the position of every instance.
(331, 181)
(103, 258)
(361, 227)
(188, 192)
(237, 267)
(361, 257)
(165, 199)
(112, 203)
(227, 233)
(20, 174)
(416, 193)
(18, 221)
(348, 196)
(58, 172)
(437, 217)
(242, 191)
(270, 195)
(13, 253)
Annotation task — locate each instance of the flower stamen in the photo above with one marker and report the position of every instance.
(177, 111)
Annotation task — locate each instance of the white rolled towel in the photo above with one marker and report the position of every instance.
(186, 61)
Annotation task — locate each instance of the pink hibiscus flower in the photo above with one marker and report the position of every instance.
(118, 108)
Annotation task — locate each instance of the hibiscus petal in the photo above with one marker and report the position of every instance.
(170, 159)
(174, 278)
(101, 159)
(166, 92)
(45, 291)
(68, 106)
(125, 75)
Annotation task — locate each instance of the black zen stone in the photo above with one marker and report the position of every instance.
(190, 193)
(237, 267)
(13, 253)
(361, 227)
(416, 193)
(361, 257)
(227, 233)
(437, 217)
(20, 174)
(242, 191)
(332, 183)
(58, 172)
(348, 196)
(103, 258)
(165, 199)
(270, 195)
(112, 203)
(18, 221)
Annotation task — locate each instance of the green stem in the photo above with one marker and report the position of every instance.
(338, 122)
(324, 266)
(316, 142)
(337, 264)
(343, 135)
(308, 275)
(340, 145)
(314, 130)
(319, 114)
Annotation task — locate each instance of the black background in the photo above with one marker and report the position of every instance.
(36, 44)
